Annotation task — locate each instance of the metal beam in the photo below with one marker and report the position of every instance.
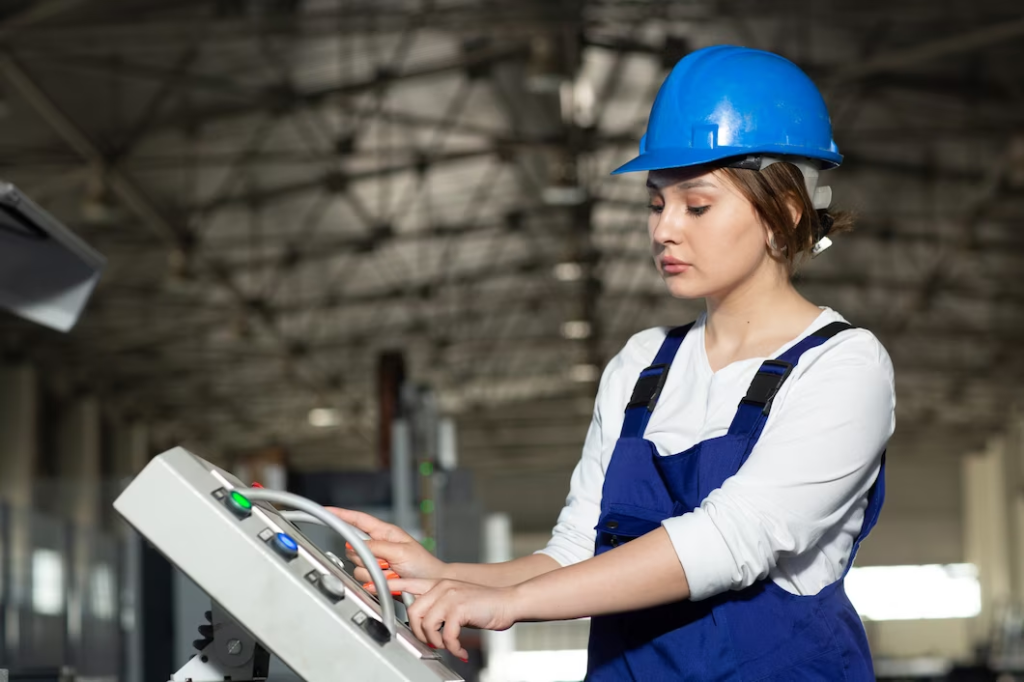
(130, 193)
(145, 208)
(37, 13)
(929, 51)
(337, 179)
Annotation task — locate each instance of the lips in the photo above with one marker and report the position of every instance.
(673, 266)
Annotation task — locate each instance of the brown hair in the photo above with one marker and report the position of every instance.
(768, 190)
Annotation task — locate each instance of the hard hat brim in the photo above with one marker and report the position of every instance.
(661, 159)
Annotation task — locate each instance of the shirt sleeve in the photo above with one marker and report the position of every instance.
(573, 537)
(815, 461)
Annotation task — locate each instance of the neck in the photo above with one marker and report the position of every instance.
(755, 308)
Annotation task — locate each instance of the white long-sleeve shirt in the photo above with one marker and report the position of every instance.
(794, 509)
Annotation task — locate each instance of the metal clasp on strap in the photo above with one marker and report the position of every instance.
(766, 384)
(648, 387)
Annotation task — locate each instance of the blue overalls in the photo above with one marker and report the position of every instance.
(762, 632)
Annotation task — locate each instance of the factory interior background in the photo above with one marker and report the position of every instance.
(371, 253)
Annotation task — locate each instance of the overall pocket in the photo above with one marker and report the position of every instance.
(622, 522)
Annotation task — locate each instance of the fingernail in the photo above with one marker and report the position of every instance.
(391, 575)
(384, 565)
(367, 586)
(396, 594)
(464, 660)
(348, 546)
(431, 645)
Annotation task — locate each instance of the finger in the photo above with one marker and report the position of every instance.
(371, 587)
(383, 549)
(362, 575)
(433, 622)
(370, 525)
(416, 622)
(421, 607)
(413, 586)
(450, 635)
(352, 556)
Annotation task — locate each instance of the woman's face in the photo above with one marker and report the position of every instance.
(706, 237)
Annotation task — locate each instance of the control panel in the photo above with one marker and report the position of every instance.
(290, 596)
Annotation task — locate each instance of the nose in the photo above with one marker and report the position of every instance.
(666, 228)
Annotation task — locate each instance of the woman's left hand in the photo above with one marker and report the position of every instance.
(444, 607)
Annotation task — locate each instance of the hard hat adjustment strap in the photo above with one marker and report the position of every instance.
(820, 195)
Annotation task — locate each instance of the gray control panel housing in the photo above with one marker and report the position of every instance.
(179, 502)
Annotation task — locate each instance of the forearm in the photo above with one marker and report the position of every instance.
(643, 573)
(503, 574)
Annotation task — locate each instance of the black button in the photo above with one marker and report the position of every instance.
(377, 630)
(615, 541)
(613, 525)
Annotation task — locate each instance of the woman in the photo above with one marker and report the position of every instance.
(709, 541)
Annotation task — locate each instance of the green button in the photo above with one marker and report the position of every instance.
(239, 504)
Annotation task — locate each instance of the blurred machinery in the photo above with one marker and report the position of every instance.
(46, 273)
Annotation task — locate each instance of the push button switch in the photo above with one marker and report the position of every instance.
(285, 545)
(331, 586)
(239, 504)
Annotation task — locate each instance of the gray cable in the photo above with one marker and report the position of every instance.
(303, 517)
(352, 535)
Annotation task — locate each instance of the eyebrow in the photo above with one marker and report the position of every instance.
(688, 184)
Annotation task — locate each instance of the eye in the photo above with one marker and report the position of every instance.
(697, 211)
(655, 208)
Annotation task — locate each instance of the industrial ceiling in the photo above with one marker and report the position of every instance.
(287, 188)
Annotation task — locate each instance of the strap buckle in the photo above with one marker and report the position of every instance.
(766, 384)
(648, 387)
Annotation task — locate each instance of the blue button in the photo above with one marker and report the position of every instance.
(285, 545)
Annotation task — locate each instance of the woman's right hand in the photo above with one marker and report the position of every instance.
(392, 545)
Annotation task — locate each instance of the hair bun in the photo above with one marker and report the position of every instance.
(826, 221)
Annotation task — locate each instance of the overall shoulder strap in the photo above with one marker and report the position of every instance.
(753, 410)
(876, 496)
(648, 386)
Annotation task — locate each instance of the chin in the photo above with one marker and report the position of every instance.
(680, 288)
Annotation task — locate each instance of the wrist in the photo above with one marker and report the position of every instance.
(518, 602)
(448, 571)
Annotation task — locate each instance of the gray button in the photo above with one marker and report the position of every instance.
(332, 586)
(335, 560)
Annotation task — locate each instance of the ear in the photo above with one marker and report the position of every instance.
(795, 208)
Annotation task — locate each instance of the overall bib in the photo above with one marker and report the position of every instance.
(762, 632)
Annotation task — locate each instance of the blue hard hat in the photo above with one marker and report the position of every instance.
(724, 102)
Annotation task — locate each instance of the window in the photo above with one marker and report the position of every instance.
(102, 600)
(47, 582)
(915, 592)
